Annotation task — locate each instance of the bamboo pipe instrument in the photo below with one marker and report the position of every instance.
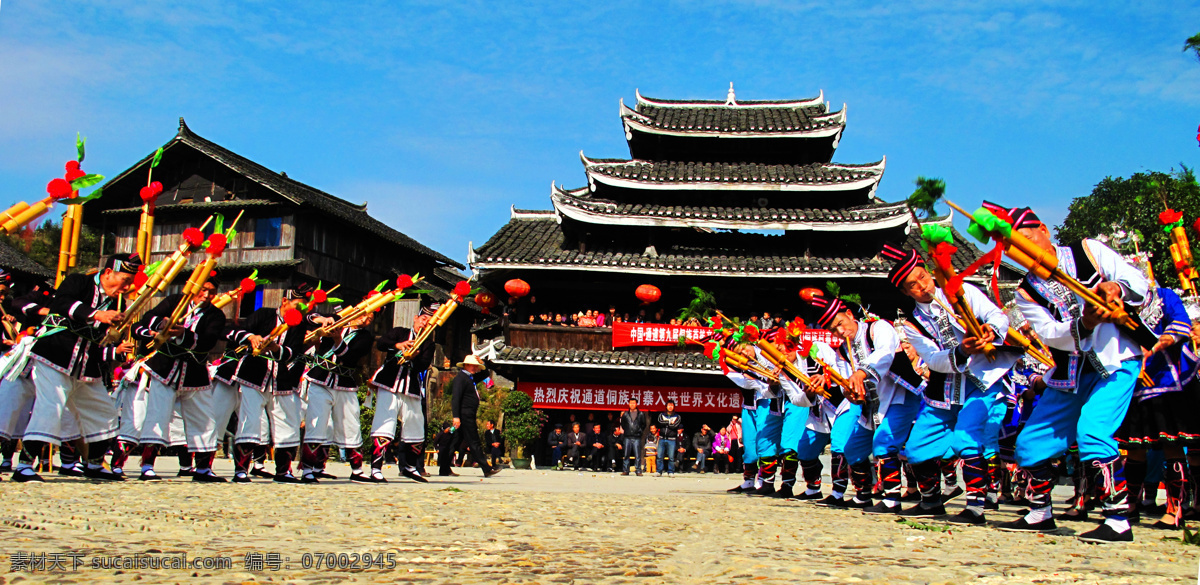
(440, 316)
(275, 333)
(22, 213)
(962, 311)
(190, 289)
(350, 315)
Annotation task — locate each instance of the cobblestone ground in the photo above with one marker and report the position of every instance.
(536, 527)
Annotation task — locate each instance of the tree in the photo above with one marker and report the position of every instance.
(1193, 44)
(702, 306)
(42, 243)
(1133, 205)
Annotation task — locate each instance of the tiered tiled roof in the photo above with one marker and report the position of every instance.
(732, 117)
(694, 362)
(581, 205)
(535, 240)
(13, 260)
(733, 176)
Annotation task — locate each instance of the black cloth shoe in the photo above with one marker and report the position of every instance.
(24, 477)
(807, 496)
(881, 508)
(832, 502)
(954, 493)
(1165, 525)
(853, 503)
(919, 511)
(492, 473)
(990, 505)
(70, 472)
(1020, 525)
(261, 472)
(1104, 534)
(1076, 514)
(185, 473)
(102, 474)
(308, 478)
(413, 476)
(967, 517)
(1152, 509)
(285, 478)
(783, 493)
(241, 479)
(322, 475)
(149, 477)
(6, 467)
(360, 478)
(207, 478)
(766, 490)
(911, 497)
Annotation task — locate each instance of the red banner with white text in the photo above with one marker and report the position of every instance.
(616, 397)
(657, 335)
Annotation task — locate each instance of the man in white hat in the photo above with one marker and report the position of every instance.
(464, 403)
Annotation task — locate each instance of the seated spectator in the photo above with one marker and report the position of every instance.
(577, 444)
(597, 451)
(674, 321)
(681, 449)
(616, 447)
(601, 319)
(720, 451)
(652, 449)
(702, 442)
(660, 316)
(557, 440)
(641, 316)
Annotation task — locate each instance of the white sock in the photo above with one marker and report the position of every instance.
(890, 502)
(947, 488)
(92, 466)
(1036, 515)
(205, 471)
(148, 469)
(26, 469)
(993, 497)
(977, 510)
(811, 491)
(857, 500)
(118, 470)
(749, 483)
(240, 474)
(1118, 525)
(839, 495)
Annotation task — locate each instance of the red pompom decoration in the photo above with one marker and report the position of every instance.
(194, 237)
(486, 301)
(59, 188)
(140, 278)
(404, 281)
(318, 296)
(751, 332)
(151, 192)
(74, 174)
(247, 285)
(292, 317)
(216, 244)
(1169, 216)
(462, 289)
(372, 294)
(72, 165)
(808, 294)
(647, 293)
(516, 288)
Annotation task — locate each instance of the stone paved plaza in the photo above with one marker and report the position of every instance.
(533, 527)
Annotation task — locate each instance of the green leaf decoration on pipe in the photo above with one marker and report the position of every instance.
(151, 269)
(157, 158)
(81, 200)
(933, 234)
(333, 300)
(929, 192)
(985, 223)
(218, 223)
(86, 181)
(79, 142)
(381, 285)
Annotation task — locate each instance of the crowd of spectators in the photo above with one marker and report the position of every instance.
(637, 442)
(596, 318)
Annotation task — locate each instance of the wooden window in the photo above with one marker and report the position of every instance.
(267, 231)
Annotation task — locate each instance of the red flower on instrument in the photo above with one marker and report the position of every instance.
(403, 281)
(140, 278)
(73, 174)
(462, 289)
(750, 332)
(318, 296)
(72, 165)
(293, 317)
(372, 294)
(216, 245)
(1169, 216)
(59, 188)
(193, 237)
(150, 192)
(806, 347)
(247, 285)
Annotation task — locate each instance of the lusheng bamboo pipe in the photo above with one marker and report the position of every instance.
(64, 244)
(22, 213)
(277, 332)
(780, 361)
(967, 319)
(351, 314)
(191, 288)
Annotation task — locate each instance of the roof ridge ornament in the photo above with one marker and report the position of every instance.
(731, 98)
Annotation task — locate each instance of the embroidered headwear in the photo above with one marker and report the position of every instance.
(822, 309)
(1020, 217)
(124, 263)
(906, 261)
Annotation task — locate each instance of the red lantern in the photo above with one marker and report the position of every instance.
(486, 301)
(516, 288)
(648, 293)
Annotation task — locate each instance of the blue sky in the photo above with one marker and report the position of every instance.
(443, 114)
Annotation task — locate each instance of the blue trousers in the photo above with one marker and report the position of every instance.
(811, 444)
(769, 427)
(891, 434)
(1089, 417)
(794, 419)
(666, 452)
(850, 438)
(749, 437)
(963, 430)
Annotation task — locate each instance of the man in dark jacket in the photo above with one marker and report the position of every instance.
(702, 441)
(634, 425)
(178, 370)
(577, 444)
(444, 442)
(557, 441)
(493, 443)
(616, 447)
(597, 449)
(670, 423)
(70, 366)
(464, 404)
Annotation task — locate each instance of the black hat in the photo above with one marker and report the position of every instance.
(299, 292)
(124, 263)
(906, 262)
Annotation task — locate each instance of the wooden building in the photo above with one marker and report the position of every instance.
(290, 232)
(739, 198)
